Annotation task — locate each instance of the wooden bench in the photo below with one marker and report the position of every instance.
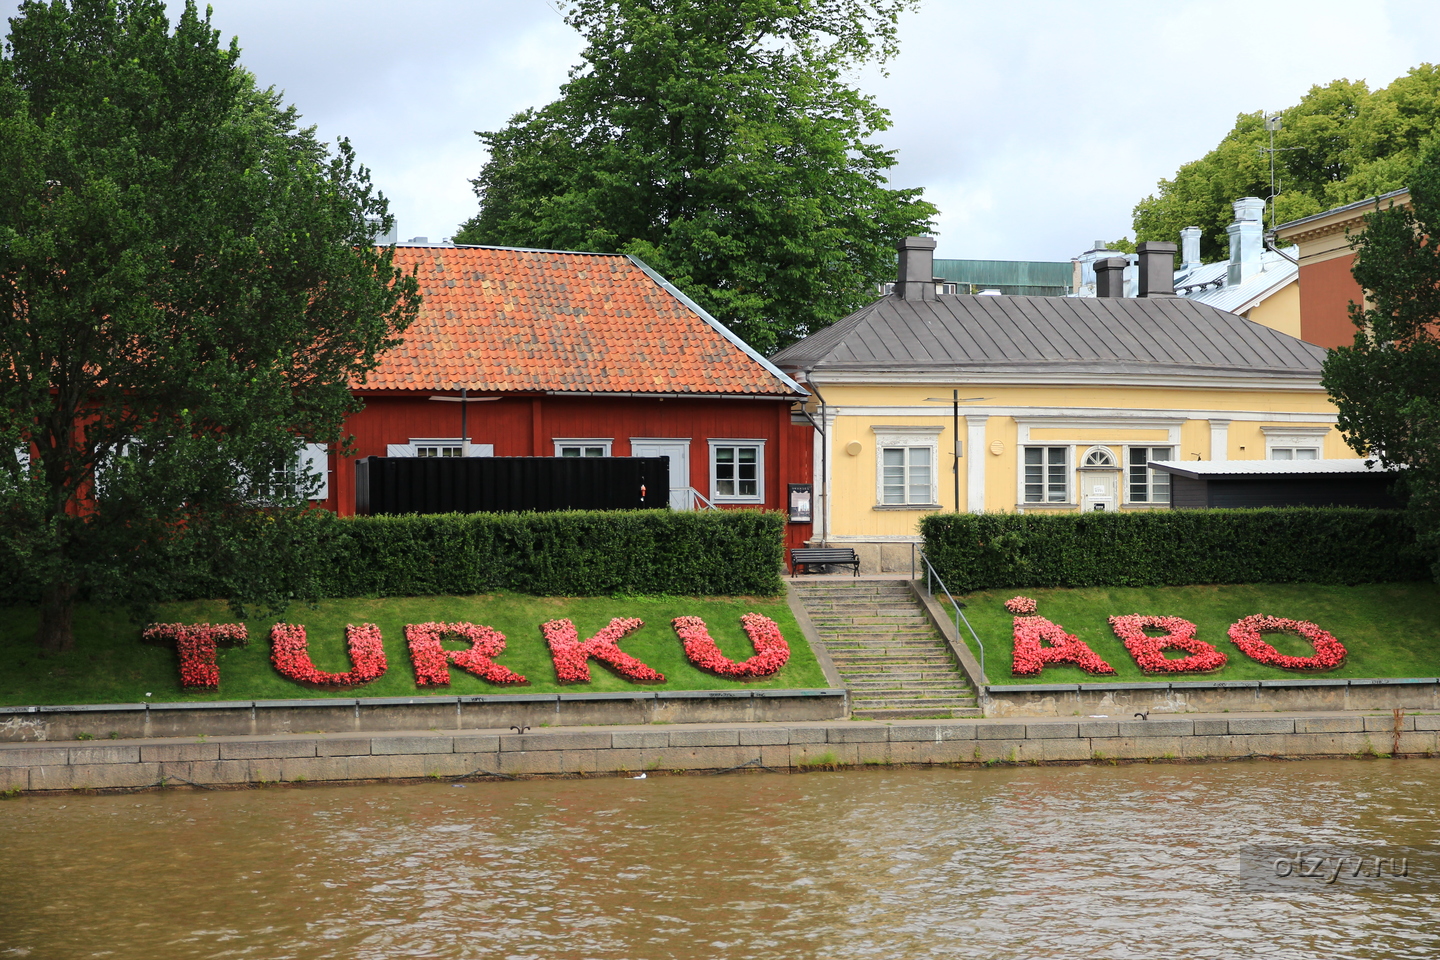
(822, 556)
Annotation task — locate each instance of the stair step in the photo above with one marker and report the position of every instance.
(953, 714)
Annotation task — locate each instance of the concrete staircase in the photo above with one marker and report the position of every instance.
(892, 661)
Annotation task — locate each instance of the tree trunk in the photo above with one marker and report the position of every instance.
(57, 616)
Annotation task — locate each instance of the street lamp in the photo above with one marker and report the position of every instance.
(955, 400)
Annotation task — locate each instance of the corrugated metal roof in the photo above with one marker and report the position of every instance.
(1054, 334)
(1209, 469)
(1236, 297)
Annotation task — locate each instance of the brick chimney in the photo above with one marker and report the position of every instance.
(1110, 277)
(1157, 268)
(916, 280)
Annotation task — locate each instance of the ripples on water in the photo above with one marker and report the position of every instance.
(1133, 861)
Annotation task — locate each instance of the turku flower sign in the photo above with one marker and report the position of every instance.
(290, 652)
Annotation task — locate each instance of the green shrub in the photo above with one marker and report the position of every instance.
(573, 553)
(1173, 548)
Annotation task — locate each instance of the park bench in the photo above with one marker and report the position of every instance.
(822, 556)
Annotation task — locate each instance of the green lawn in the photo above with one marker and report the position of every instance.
(111, 665)
(1388, 629)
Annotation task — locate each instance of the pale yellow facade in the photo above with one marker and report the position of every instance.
(1279, 310)
(1071, 423)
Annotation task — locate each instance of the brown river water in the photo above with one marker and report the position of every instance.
(1143, 861)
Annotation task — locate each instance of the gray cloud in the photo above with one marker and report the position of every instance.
(1035, 125)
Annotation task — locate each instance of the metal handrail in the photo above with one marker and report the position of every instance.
(931, 578)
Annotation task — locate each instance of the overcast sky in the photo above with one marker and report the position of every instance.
(1034, 125)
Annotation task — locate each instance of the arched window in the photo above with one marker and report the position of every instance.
(1099, 457)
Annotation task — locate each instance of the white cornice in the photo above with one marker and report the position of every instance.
(1289, 381)
(1131, 418)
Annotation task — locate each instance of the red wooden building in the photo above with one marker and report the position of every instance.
(520, 353)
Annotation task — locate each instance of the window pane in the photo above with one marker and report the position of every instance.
(1282, 453)
(747, 454)
(569, 451)
(920, 480)
(724, 454)
(595, 451)
(1034, 455)
(1307, 453)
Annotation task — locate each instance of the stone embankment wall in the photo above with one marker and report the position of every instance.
(376, 714)
(233, 761)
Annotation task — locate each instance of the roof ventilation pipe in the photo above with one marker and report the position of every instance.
(916, 280)
(1189, 248)
(1157, 268)
(1247, 239)
(1110, 277)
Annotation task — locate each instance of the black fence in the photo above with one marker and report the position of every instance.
(391, 485)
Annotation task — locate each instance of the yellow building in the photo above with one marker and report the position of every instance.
(928, 402)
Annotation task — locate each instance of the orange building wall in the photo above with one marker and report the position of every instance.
(1326, 290)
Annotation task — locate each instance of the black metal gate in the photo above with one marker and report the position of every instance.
(389, 485)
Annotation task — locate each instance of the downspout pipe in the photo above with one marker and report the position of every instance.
(823, 429)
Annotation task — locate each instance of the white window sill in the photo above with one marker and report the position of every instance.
(907, 506)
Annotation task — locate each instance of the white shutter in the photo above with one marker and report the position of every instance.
(315, 462)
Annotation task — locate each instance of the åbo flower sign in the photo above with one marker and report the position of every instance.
(198, 643)
(1039, 643)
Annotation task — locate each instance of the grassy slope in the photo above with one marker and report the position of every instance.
(1389, 630)
(111, 665)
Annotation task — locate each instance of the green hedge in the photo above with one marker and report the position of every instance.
(1173, 548)
(579, 553)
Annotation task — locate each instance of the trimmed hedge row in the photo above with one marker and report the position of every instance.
(572, 553)
(1173, 548)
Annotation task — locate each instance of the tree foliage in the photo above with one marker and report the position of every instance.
(1341, 143)
(187, 288)
(1387, 383)
(717, 141)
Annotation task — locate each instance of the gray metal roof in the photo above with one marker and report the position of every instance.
(1207, 469)
(1053, 335)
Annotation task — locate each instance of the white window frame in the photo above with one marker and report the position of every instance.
(1067, 471)
(906, 436)
(415, 444)
(1294, 439)
(605, 445)
(715, 494)
(1151, 475)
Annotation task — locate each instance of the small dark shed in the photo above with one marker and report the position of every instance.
(1196, 484)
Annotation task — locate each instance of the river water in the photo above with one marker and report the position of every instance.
(1142, 861)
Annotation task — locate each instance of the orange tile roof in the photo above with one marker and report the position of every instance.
(497, 319)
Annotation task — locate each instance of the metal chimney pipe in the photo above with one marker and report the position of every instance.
(1110, 277)
(1157, 268)
(916, 280)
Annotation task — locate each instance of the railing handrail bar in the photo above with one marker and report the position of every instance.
(701, 497)
(930, 571)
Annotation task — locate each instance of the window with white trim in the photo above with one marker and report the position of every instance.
(1047, 474)
(439, 447)
(1288, 442)
(737, 471)
(907, 475)
(583, 448)
(1145, 485)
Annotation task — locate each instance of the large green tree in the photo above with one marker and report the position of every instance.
(1387, 383)
(718, 141)
(187, 288)
(1341, 143)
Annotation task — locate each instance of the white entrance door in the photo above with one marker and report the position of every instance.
(678, 452)
(1099, 490)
